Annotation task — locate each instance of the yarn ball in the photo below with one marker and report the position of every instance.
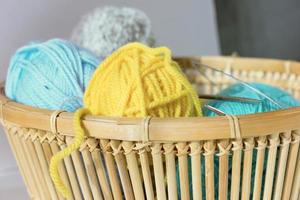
(138, 81)
(106, 29)
(240, 108)
(51, 75)
(135, 81)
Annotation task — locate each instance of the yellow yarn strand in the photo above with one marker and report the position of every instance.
(135, 81)
(57, 158)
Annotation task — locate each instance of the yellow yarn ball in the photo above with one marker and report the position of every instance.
(137, 81)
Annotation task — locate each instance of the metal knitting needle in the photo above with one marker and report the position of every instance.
(242, 82)
(215, 110)
(227, 98)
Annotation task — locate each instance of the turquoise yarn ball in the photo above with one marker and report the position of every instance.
(51, 75)
(241, 108)
(237, 108)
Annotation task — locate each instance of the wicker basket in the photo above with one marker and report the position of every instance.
(135, 158)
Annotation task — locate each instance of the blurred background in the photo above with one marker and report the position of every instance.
(254, 28)
(268, 28)
(187, 27)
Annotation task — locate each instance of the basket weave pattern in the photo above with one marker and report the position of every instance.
(137, 158)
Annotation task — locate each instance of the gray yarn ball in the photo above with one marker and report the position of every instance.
(106, 29)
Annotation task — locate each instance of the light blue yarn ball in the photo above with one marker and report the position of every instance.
(241, 108)
(51, 75)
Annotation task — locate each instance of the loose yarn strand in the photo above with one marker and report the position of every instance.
(57, 158)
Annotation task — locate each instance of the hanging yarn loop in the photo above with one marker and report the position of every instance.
(57, 158)
(47, 74)
(135, 81)
(107, 29)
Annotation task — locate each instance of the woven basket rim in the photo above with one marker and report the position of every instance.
(161, 129)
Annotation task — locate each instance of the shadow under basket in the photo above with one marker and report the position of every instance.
(244, 157)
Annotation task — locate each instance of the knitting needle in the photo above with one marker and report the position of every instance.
(242, 82)
(215, 110)
(231, 98)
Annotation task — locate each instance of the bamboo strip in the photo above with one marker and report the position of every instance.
(44, 166)
(174, 129)
(16, 155)
(21, 164)
(158, 171)
(123, 172)
(143, 152)
(261, 148)
(111, 169)
(133, 170)
(182, 149)
(102, 178)
(80, 171)
(72, 175)
(47, 151)
(224, 148)
(209, 149)
(281, 165)
(32, 168)
(170, 170)
(292, 178)
(48, 155)
(296, 183)
(38, 169)
(242, 64)
(194, 128)
(274, 141)
(209, 86)
(236, 169)
(25, 160)
(91, 174)
(195, 154)
(247, 168)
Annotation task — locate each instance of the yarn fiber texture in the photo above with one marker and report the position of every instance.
(135, 81)
(51, 75)
(106, 29)
(240, 108)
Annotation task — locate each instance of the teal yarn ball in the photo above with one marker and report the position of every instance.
(51, 75)
(238, 108)
(241, 108)
(283, 98)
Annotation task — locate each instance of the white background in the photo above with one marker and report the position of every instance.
(187, 27)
